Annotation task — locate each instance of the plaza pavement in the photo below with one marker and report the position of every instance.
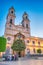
(23, 62)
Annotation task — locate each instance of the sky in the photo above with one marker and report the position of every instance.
(34, 8)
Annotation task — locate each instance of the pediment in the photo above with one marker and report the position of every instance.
(19, 35)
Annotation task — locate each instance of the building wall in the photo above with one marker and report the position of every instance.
(37, 45)
(11, 30)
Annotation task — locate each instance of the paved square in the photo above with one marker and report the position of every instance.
(24, 62)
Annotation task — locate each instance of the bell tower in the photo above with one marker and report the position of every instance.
(26, 22)
(11, 16)
(10, 23)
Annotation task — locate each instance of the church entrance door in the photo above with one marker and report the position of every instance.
(19, 54)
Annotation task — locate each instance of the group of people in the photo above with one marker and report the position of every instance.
(11, 57)
(15, 57)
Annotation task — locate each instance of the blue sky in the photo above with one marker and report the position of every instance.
(34, 8)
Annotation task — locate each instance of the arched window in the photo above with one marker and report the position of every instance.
(38, 43)
(26, 17)
(34, 50)
(12, 12)
(33, 42)
(8, 38)
(10, 25)
(10, 21)
(27, 41)
(26, 25)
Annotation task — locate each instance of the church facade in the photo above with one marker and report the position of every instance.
(22, 31)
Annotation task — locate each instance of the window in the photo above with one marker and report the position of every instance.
(34, 50)
(26, 17)
(26, 25)
(38, 43)
(12, 12)
(8, 38)
(9, 25)
(10, 21)
(27, 41)
(33, 42)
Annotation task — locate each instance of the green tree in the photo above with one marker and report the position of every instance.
(38, 50)
(18, 45)
(2, 44)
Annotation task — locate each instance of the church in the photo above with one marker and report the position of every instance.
(21, 31)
